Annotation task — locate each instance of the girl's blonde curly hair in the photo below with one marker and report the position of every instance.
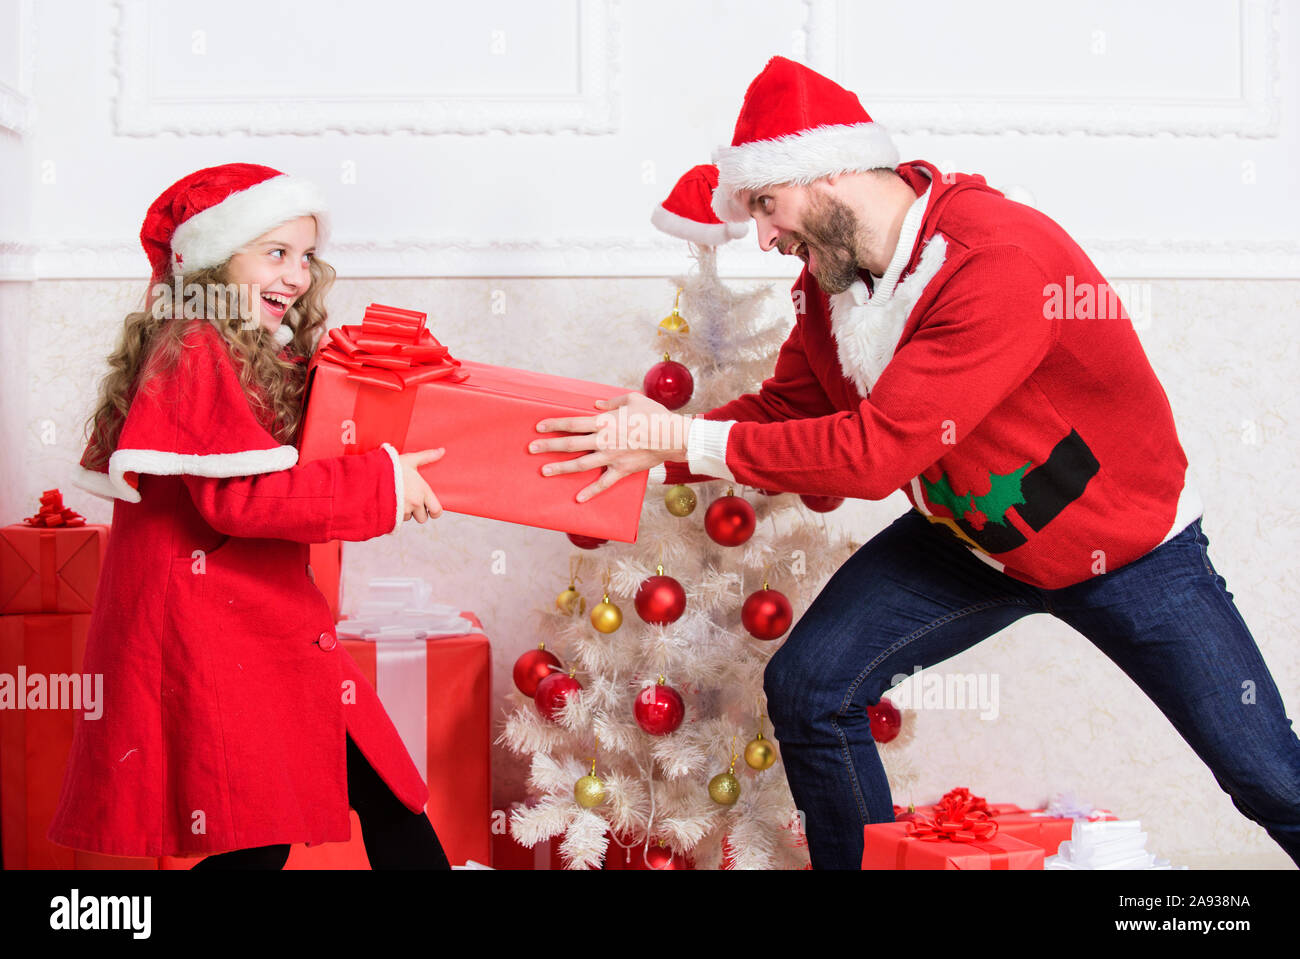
(151, 342)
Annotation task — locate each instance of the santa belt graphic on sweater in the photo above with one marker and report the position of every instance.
(1035, 497)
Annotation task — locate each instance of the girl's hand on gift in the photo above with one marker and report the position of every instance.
(420, 501)
(638, 434)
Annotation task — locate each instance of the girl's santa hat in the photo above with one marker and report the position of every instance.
(796, 126)
(688, 215)
(203, 219)
(195, 419)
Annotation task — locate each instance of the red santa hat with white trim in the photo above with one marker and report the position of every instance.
(195, 417)
(203, 219)
(688, 214)
(796, 126)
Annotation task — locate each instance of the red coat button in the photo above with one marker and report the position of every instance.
(327, 641)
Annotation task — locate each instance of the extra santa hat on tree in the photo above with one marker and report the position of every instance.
(796, 126)
(688, 213)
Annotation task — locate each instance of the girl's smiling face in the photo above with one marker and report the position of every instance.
(277, 263)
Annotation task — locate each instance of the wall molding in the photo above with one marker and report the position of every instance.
(1257, 113)
(636, 256)
(596, 110)
(17, 105)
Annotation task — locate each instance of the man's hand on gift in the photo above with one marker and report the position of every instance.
(420, 501)
(637, 435)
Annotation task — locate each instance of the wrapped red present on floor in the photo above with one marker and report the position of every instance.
(973, 843)
(49, 563)
(1045, 828)
(961, 831)
(389, 380)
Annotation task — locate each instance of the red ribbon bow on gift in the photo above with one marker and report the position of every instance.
(54, 513)
(976, 827)
(959, 817)
(960, 801)
(390, 349)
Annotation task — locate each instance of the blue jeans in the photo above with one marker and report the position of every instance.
(913, 596)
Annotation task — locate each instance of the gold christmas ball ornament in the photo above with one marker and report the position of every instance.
(605, 616)
(724, 789)
(674, 322)
(570, 601)
(680, 500)
(589, 791)
(759, 753)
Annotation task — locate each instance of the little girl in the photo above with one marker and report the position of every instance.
(233, 723)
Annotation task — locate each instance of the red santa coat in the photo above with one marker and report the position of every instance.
(226, 693)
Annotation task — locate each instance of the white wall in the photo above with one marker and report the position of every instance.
(519, 147)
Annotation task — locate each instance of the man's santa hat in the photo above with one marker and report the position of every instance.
(796, 126)
(204, 218)
(688, 213)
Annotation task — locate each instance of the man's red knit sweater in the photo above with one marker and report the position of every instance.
(1000, 384)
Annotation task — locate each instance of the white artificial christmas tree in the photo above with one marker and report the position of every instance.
(656, 787)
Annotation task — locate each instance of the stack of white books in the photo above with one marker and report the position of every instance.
(399, 608)
(1107, 844)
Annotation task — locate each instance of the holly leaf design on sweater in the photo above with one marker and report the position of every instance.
(1004, 492)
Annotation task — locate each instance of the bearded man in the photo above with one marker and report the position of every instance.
(1037, 449)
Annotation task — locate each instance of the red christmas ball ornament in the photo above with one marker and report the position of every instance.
(730, 520)
(585, 542)
(767, 614)
(534, 666)
(659, 709)
(821, 504)
(661, 599)
(886, 721)
(553, 691)
(669, 383)
(661, 857)
(907, 815)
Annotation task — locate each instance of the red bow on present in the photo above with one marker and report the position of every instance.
(54, 513)
(960, 802)
(390, 349)
(977, 827)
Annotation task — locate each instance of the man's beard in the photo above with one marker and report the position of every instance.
(832, 227)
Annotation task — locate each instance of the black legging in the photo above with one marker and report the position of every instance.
(395, 837)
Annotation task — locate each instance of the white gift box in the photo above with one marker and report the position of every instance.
(1109, 844)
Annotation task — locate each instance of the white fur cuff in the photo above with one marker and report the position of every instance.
(706, 449)
(399, 486)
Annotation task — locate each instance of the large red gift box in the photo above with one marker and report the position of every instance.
(389, 380)
(892, 845)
